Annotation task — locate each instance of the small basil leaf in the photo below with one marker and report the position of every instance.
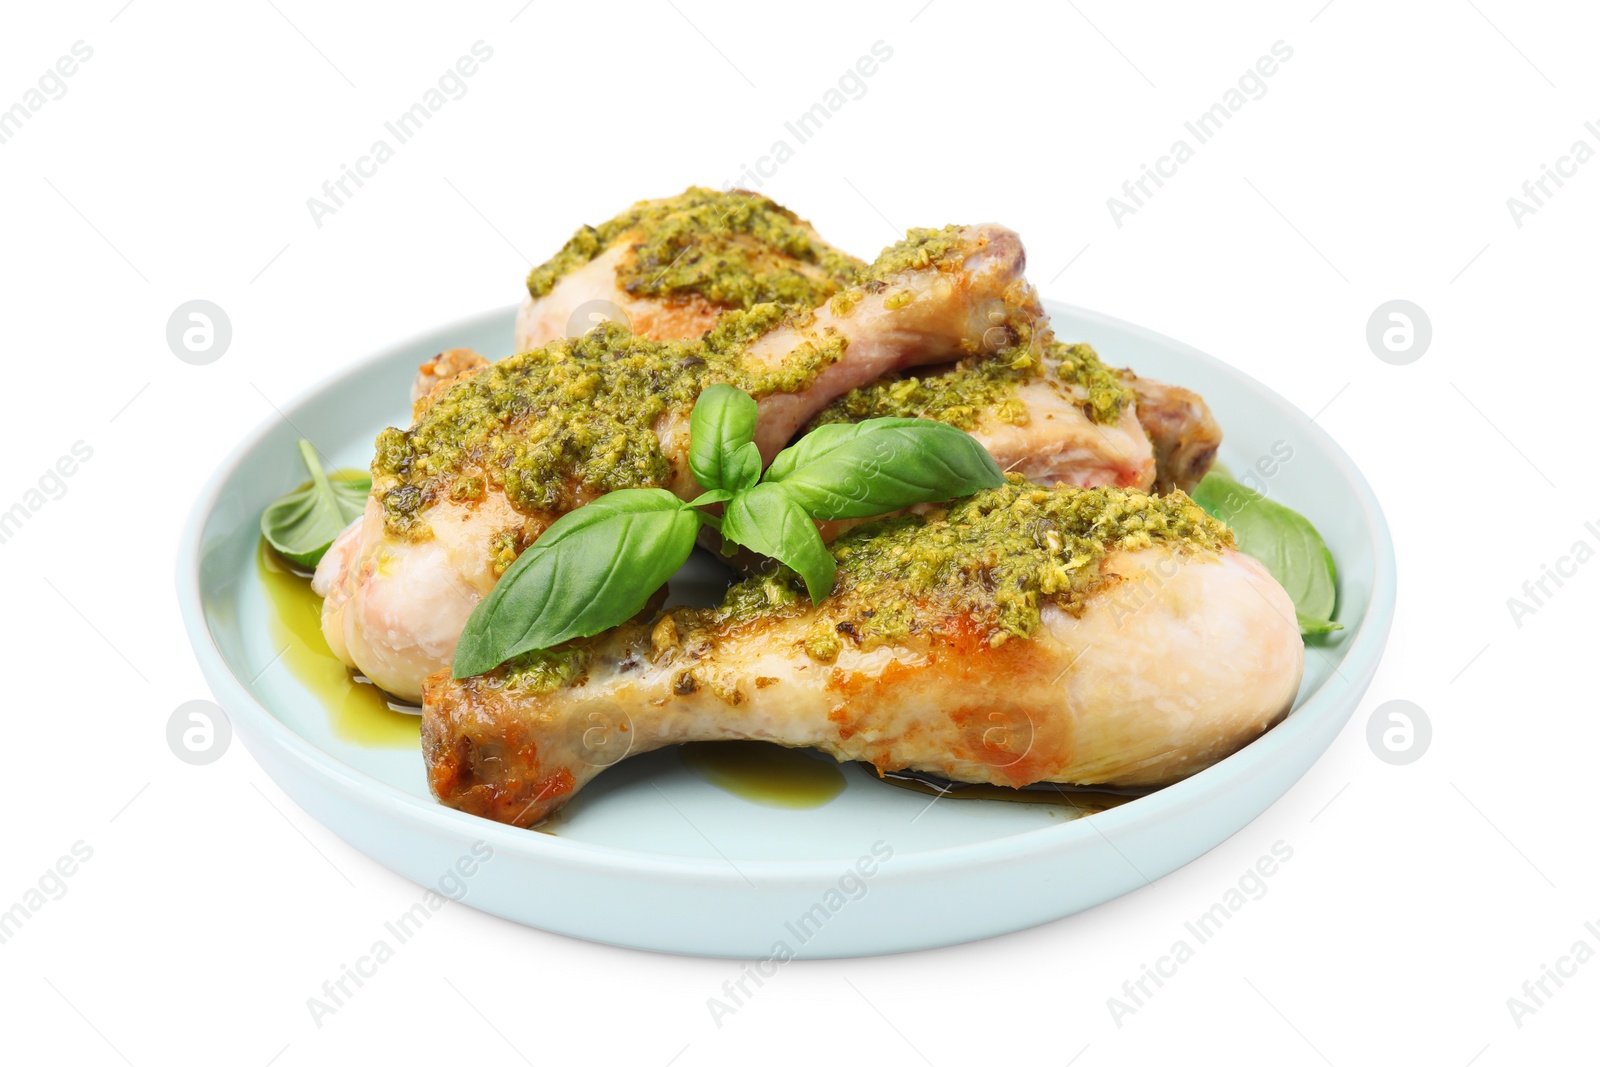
(1283, 540)
(721, 426)
(766, 520)
(884, 465)
(743, 468)
(301, 525)
(711, 496)
(592, 569)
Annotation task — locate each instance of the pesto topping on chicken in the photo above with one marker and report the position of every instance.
(919, 248)
(548, 669)
(997, 557)
(992, 559)
(734, 249)
(963, 394)
(553, 427)
(1107, 389)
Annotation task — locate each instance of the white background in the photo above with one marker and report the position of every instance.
(1377, 166)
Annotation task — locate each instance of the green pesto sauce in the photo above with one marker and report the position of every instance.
(549, 669)
(1108, 391)
(771, 594)
(997, 555)
(734, 249)
(960, 395)
(920, 248)
(573, 419)
(964, 393)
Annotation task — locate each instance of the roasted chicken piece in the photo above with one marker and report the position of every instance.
(495, 457)
(667, 268)
(1063, 417)
(1088, 636)
(441, 372)
(1182, 432)
(1050, 412)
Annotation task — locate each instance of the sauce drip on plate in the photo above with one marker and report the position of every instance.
(764, 773)
(1083, 800)
(358, 711)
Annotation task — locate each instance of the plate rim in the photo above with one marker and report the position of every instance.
(1367, 642)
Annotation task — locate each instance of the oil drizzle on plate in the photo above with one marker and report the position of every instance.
(781, 777)
(357, 711)
(764, 773)
(1085, 801)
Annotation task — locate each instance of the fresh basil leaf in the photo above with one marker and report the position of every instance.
(1283, 540)
(768, 521)
(721, 452)
(881, 465)
(592, 569)
(301, 525)
(711, 496)
(821, 442)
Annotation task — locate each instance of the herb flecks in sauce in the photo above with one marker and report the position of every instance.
(733, 249)
(996, 557)
(991, 560)
(919, 249)
(577, 418)
(985, 387)
(546, 670)
(983, 567)
(1108, 390)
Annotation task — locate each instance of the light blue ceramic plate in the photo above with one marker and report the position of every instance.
(653, 856)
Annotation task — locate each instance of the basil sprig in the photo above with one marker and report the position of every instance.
(302, 524)
(598, 566)
(1283, 540)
